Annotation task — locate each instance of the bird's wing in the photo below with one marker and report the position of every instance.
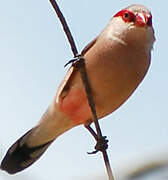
(64, 86)
(88, 46)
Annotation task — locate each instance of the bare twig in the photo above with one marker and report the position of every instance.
(80, 64)
(65, 26)
(93, 109)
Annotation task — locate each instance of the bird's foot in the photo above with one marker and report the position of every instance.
(101, 145)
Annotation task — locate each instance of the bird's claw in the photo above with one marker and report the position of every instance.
(78, 57)
(93, 152)
(101, 145)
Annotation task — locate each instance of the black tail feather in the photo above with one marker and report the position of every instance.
(21, 156)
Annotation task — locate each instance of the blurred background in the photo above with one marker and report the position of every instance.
(33, 51)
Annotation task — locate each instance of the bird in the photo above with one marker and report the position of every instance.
(116, 61)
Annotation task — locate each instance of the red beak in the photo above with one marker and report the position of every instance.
(141, 19)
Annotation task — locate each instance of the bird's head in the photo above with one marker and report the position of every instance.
(133, 25)
(136, 15)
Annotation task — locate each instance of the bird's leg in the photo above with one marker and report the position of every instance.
(102, 142)
(93, 133)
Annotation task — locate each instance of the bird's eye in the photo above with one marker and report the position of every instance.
(128, 16)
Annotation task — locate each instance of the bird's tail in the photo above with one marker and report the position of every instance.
(21, 156)
(28, 149)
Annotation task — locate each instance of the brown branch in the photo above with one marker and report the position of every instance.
(80, 64)
(65, 27)
(88, 93)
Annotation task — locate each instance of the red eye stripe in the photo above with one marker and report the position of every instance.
(126, 15)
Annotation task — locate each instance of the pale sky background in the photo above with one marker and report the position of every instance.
(33, 51)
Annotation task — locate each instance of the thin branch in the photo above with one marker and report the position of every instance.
(89, 96)
(80, 63)
(93, 109)
(108, 167)
(65, 27)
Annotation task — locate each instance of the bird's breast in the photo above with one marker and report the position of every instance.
(114, 75)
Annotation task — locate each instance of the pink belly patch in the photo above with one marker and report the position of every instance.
(75, 106)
